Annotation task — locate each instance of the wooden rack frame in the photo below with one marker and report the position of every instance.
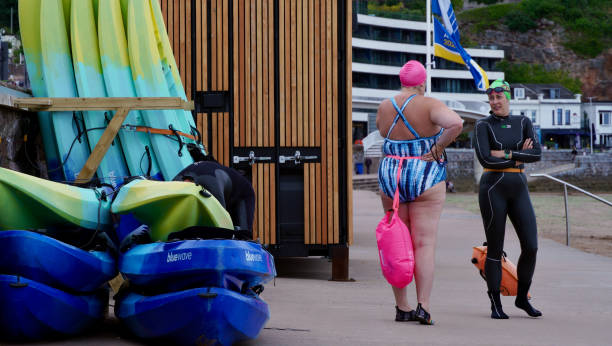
(121, 105)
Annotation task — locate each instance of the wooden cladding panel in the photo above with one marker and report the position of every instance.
(308, 64)
(264, 224)
(220, 74)
(179, 33)
(254, 124)
(177, 15)
(349, 116)
(308, 93)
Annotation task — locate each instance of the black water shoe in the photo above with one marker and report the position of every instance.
(423, 316)
(496, 308)
(404, 316)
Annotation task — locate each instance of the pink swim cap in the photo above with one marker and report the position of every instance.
(412, 74)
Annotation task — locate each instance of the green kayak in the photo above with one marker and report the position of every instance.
(29, 202)
(170, 206)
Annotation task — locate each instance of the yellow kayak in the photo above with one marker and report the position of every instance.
(170, 206)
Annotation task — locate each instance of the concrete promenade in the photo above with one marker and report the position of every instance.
(572, 288)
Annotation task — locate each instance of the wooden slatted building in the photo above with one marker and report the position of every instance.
(272, 85)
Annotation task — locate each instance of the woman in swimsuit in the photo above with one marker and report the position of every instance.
(417, 129)
(503, 143)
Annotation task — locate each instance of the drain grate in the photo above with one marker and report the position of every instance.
(288, 329)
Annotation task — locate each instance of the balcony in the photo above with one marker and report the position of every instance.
(361, 7)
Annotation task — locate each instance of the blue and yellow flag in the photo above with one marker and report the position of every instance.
(445, 46)
(446, 43)
(444, 9)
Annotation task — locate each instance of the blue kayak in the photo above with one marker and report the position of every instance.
(32, 311)
(54, 263)
(177, 265)
(203, 316)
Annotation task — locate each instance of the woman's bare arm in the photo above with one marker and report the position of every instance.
(449, 120)
(382, 109)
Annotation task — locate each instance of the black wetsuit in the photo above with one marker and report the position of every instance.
(234, 192)
(504, 194)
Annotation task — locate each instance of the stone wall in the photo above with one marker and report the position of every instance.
(550, 158)
(592, 172)
(460, 168)
(21, 143)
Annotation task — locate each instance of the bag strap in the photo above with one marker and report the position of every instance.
(396, 195)
(399, 174)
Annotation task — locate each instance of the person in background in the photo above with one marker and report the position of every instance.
(358, 157)
(416, 134)
(368, 163)
(450, 186)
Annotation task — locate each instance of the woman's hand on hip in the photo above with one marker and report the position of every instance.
(434, 155)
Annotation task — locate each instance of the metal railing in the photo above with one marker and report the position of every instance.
(565, 185)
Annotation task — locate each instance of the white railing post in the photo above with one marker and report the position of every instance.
(567, 227)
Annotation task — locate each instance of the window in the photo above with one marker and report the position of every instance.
(605, 118)
(533, 116)
(452, 86)
(519, 93)
(377, 33)
(567, 117)
(553, 111)
(559, 116)
(555, 93)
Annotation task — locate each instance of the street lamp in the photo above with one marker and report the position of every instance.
(591, 125)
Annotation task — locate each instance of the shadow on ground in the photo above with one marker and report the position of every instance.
(313, 268)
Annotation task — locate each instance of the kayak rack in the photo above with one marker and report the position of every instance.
(121, 105)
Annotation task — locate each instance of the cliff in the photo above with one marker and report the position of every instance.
(543, 45)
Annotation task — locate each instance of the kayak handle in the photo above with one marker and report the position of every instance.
(18, 284)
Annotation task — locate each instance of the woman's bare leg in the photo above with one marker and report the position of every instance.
(424, 214)
(401, 294)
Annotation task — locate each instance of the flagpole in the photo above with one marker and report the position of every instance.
(428, 43)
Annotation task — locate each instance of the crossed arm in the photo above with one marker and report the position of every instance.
(531, 150)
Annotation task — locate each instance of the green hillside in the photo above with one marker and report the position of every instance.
(587, 22)
(535, 73)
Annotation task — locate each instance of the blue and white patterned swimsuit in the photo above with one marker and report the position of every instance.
(416, 175)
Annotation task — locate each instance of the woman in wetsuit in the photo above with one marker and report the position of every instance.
(417, 130)
(503, 143)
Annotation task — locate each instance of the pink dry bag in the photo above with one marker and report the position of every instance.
(395, 244)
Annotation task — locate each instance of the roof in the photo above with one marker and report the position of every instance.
(533, 90)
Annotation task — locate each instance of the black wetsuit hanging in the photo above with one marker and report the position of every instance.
(234, 192)
(504, 194)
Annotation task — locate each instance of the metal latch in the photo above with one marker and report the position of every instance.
(297, 158)
(251, 158)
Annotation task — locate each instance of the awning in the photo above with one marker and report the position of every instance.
(582, 132)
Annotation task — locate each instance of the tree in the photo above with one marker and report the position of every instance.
(5, 16)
